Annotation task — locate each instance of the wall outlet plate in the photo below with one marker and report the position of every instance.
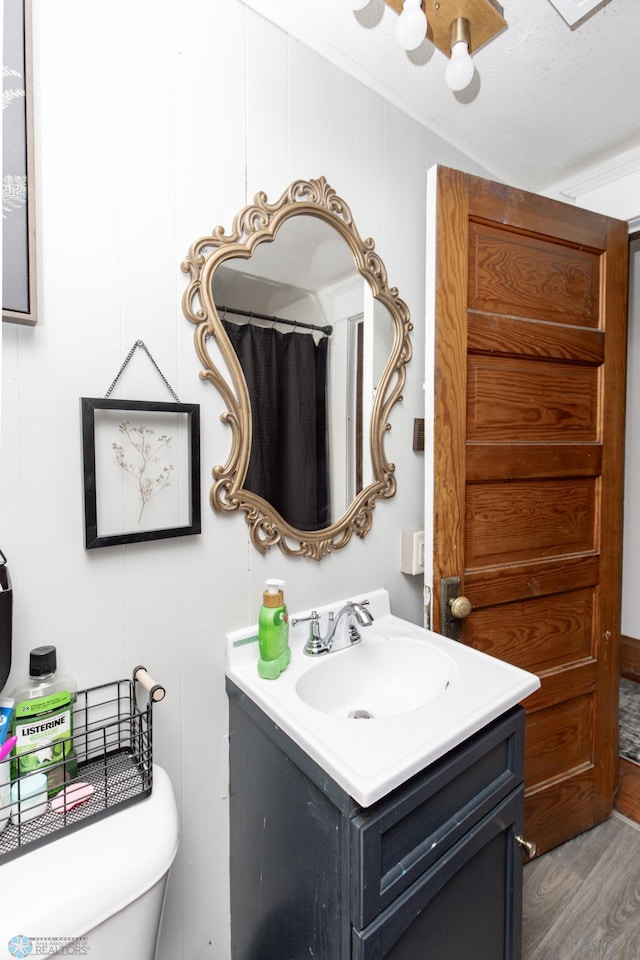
(412, 552)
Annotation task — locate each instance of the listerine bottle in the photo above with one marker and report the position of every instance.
(273, 632)
(43, 721)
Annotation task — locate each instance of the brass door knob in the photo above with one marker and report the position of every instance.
(460, 607)
(530, 847)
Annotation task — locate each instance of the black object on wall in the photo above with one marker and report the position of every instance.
(6, 620)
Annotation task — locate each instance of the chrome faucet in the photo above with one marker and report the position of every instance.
(343, 628)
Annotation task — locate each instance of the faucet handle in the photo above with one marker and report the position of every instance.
(314, 617)
(315, 644)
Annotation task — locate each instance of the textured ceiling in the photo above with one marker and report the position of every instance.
(548, 102)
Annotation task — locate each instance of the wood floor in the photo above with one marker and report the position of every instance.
(582, 900)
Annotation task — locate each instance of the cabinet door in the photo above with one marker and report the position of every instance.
(468, 906)
(395, 842)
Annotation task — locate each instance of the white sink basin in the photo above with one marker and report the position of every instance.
(425, 694)
(381, 676)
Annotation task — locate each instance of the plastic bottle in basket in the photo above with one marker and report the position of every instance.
(43, 721)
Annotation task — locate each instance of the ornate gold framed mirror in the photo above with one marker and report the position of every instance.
(297, 307)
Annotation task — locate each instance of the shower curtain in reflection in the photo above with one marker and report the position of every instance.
(286, 376)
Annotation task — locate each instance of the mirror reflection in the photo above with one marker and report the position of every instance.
(299, 317)
(315, 344)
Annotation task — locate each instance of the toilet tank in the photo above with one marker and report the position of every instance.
(62, 891)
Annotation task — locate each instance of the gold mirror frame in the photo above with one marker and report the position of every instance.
(254, 224)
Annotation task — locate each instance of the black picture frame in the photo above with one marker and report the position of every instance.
(19, 286)
(141, 463)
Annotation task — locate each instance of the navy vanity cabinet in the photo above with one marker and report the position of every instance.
(431, 872)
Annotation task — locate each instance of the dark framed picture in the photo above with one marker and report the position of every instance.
(141, 464)
(18, 168)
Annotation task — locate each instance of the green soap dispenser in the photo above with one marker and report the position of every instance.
(273, 632)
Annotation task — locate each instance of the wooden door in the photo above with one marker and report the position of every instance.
(530, 304)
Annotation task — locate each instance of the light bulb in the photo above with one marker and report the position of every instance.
(356, 4)
(411, 27)
(460, 69)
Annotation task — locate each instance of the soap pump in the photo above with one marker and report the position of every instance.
(273, 632)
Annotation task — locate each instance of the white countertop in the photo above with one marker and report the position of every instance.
(369, 758)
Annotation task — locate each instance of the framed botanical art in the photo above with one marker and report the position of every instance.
(141, 464)
(18, 165)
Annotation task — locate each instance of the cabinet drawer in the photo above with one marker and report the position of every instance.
(398, 839)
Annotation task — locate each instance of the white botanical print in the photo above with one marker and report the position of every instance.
(144, 448)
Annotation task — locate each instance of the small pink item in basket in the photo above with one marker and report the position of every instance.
(72, 796)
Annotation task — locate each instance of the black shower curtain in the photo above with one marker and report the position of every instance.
(286, 376)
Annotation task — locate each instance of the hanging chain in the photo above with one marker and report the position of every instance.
(141, 343)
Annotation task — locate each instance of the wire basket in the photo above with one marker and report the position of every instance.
(112, 744)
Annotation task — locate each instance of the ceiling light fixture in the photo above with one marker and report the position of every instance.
(357, 4)
(455, 27)
(411, 28)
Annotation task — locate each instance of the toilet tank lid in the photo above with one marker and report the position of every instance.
(67, 887)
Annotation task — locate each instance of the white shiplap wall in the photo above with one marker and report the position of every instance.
(155, 121)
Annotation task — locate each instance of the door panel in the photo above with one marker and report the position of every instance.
(530, 303)
(528, 400)
(560, 738)
(526, 276)
(576, 460)
(528, 519)
(509, 335)
(540, 633)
